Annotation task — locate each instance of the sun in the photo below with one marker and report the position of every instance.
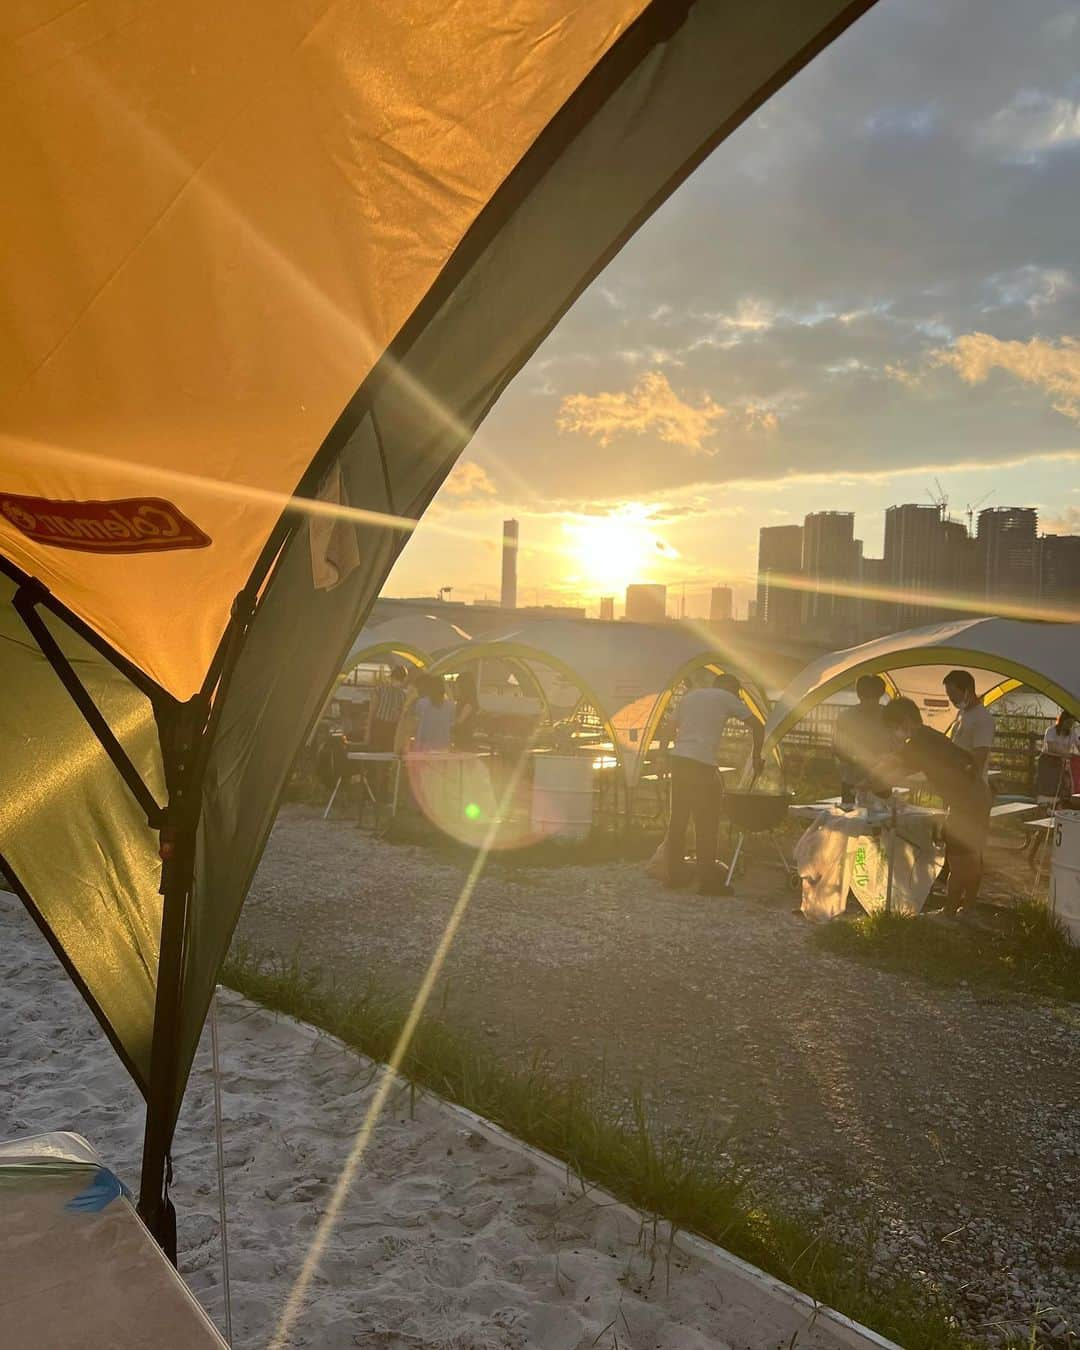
(613, 551)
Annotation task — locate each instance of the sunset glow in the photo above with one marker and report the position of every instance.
(612, 551)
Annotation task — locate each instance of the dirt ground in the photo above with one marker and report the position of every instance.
(939, 1125)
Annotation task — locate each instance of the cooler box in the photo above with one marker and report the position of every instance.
(78, 1269)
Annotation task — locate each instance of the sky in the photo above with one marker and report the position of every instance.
(872, 287)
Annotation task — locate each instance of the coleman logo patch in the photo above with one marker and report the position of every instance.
(126, 525)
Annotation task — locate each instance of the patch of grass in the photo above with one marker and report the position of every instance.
(1029, 955)
(616, 1148)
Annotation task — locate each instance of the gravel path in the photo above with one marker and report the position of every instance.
(942, 1126)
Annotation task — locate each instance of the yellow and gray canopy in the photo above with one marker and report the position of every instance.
(1001, 654)
(265, 265)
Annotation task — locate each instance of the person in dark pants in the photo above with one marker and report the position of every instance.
(387, 708)
(953, 775)
(699, 724)
(859, 740)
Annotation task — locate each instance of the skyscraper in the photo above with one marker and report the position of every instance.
(829, 562)
(779, 556)
(1007, 549)
(721, 604)
(509, 564)
(607, 606)
(913, 556)
(1059, 571)
(959, 578)
(646, 603)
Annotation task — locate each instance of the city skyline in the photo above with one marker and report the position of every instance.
(727, 371)
(933, 567)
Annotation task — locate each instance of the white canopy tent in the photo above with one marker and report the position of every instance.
(1001, 654)
(412, 639)
(627, 671)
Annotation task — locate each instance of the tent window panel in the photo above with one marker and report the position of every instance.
(73, 834)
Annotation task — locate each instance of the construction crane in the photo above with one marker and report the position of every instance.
(941, 500)
(972, 507)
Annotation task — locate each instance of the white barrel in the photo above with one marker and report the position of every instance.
(1065, 871)
(562, 796)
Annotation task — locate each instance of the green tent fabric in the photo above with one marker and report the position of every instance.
(269, 265)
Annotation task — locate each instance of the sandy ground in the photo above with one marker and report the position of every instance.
(941, 1126)
(450, 1237)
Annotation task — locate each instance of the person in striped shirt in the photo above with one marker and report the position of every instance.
(386, 712)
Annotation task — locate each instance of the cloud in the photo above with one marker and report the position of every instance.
(1033, 122)
(1052, 367)
(650, 406)
(469, 479)
(1066, 522)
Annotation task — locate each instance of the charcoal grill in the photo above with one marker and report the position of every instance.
(753, 812)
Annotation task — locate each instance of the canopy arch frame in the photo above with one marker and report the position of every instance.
(1015, 675)
(753, 696)
(520, 658)
(524, 653)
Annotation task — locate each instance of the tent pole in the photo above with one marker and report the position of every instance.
(186, 738)
(180, 739)
(155, 1207)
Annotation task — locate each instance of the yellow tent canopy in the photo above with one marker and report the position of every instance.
(265, 265)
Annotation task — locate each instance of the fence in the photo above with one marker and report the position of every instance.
(1017, 742)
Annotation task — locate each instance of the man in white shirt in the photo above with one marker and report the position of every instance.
(699, 724)
(973, 729)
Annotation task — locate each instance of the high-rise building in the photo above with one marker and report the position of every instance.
(876, 614)
(1059, 571)
(509, 564)
(646, 602)
(959, 579)
(830, 562)
(1007, 549)
(607, 606)
(930, 564)
(779, 557)
(914, 548)
(721, 604)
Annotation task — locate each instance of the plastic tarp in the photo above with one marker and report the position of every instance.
(627, 671)
(1002, 654)
(266, 266)
(839, 854)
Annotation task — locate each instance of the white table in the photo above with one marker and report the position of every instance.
(371, 757)
(874, 822)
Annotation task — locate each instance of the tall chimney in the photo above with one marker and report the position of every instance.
(509, 564)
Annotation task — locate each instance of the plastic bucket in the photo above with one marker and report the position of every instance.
(1065, 871)
(562, 796)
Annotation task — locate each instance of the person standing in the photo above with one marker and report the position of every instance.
(699, 723)
(467, 711)
(952, 774)
(859, 739)
(432, 715)
(1054, 772)
(973, 729)
(387, 707)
